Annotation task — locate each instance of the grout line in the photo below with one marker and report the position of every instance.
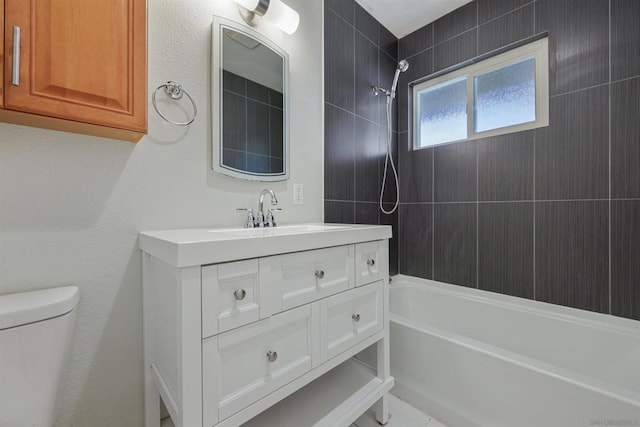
(373, 122)
(433, 213)
(610, 134)
(578, 90)
(477, 218)
(534, 215)
(507, 13)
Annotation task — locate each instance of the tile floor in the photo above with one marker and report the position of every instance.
(402, 415)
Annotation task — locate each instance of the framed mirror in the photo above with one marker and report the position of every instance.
(250, 98)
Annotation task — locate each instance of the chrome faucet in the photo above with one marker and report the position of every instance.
(260, 220)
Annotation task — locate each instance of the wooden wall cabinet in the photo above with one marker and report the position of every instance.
(82, 66)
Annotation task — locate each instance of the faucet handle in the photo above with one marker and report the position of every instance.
(250, 220)
(271, 219)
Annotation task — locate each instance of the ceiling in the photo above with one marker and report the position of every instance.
(403, 17)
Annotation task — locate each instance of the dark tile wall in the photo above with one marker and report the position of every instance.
(252, 115)
(551, 214)
(359, 53)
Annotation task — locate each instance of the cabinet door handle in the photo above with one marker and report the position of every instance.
(272, 356)
(240, 294)
(15, 76)
(371, 262)
(320, 274)
(356, 317)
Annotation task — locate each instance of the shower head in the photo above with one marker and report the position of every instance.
(402, 67)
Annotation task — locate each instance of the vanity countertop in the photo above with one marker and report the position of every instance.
(191, 247)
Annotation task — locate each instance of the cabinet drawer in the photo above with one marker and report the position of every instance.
(302, 277)
(237, 370)
(230, 296)
(350, 317)
(367, 265)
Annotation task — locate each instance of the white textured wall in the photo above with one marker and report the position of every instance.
(71, 206)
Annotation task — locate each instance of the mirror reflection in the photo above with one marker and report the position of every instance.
(253, 133)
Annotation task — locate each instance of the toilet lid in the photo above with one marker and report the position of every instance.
(23, 308)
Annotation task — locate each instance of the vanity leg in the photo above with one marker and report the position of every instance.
(384, 372)
(151, 402)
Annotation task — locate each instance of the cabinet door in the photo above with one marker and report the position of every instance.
(80, 60)
(350, 317)
(245, 364)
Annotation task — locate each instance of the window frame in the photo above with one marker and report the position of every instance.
(537, 49)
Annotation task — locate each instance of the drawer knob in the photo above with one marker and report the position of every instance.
(240, 294)
(371, 262)
(272, 356)
(320, 274)
(356, 317)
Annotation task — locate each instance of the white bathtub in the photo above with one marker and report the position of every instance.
(474, 358)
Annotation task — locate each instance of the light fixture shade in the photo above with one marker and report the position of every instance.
(282, 16)
(248, 4)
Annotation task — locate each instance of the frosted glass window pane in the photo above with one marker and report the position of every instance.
(442, 113)
(506, 96)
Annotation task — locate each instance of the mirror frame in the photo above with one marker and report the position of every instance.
(219, 24)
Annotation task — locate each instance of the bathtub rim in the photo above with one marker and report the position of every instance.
(593, 319)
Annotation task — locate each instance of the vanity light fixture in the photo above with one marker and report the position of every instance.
(275, 11)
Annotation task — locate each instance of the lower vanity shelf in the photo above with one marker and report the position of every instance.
(337, 398)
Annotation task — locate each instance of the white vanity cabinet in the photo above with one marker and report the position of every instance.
(262, 328)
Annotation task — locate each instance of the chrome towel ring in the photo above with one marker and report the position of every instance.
(174, 91)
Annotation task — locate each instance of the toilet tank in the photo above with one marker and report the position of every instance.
(35, 336)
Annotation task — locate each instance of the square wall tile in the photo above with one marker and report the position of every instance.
(625, 137)
(367, 213)
(505, 248)
(415, 244)
(367, 156)
(572, 254)
(505, 167)
(366, 60)
(572, 153)
(509, 28)
(455, 50)
(415, 42)
(490, 9)
(456, 22)
(625, 39)
(338, 212)
(454, 243)
(392, 220)
(338, 62)
(339, 154)
(367, 24)
(578, 42)
(344, 8)
(625, 256)
(455, 168)
(388, 43)
(416, 174)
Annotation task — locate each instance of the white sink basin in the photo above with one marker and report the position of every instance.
(190, 247)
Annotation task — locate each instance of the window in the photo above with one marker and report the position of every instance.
(506, 93)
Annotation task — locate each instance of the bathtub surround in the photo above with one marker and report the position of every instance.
(359, 54)
(71, 206)
(550, 214)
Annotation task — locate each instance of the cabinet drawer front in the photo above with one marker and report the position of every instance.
(367, 265)
(350, 317)
(236, 367)
(230, 296)
(302, 277)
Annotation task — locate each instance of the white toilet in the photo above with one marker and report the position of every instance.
(35, 336)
